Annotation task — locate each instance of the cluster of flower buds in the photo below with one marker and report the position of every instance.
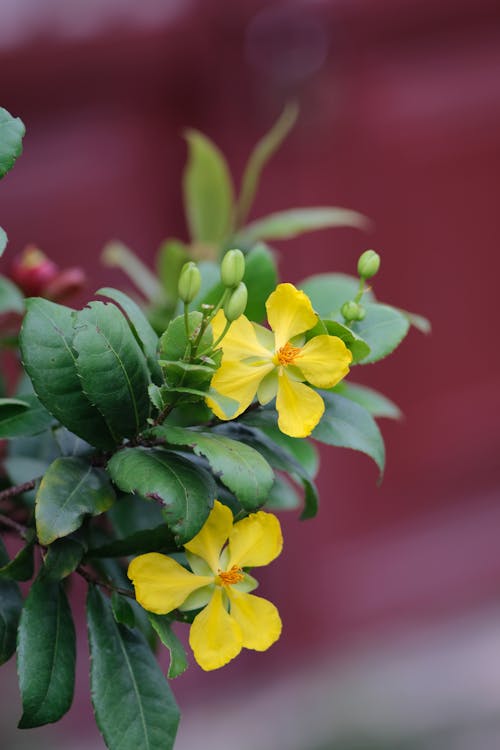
(368, 266)
(38, 276)
(232, 271)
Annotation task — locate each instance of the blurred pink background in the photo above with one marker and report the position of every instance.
(390, 598)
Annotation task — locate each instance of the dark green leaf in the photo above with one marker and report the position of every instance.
(283, 496)
(133, 704)
(11, 603)
(122, 610)
(241, 468)
(208, 192)
(12, 131)
(302, 449)
(46, 655)
(112, 368)
(49, 359)
(159, 539)
(261, 154)
(373, 401)
(23, 418)
(354, 343)
(70, 444)
(21, 567)
(329, 291)
(284, 225)
(11, 299)
(63, 557)
(178, 660)
(383, 329)
(132, 513)
(70, 489)
(187, 491)
(144, 332)
(348, 425)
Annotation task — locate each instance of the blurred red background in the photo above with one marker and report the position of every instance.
(400, 119)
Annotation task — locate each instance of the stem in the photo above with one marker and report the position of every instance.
(103, 584)
(217, 341)
(206, 322)
(361, 290)
(163, 415)
(11, 524)
(18, 489)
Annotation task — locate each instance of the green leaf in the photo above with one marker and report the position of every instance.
(283, 496)
(278, 457)
(261, 154)
(11, 299)
(21, 567)
(159, 539)
(174, 342)
(49, 359)
(329, 291)
(23, 417)
(169, 261)
(11, 603)
(46, 655)
(112, 368)
(383, 329)
(239, 467)
(3, 241)
(122, 611)
(285, 225)
(371, 400)
(133, 703)
(118, 255)
(63, 557)
(301, 449)
(178, 659)
(70, 489)
(356, 345)
(208, 192)
(187, 491)
(141, 327)
(132, 513)
(418, 321)
(12, 131)
(348, 425)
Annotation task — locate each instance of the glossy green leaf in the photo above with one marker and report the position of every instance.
(185, 490)
(178, 659)
(112, 368)
(284, 225)
(21, 567)
(383, 329)
(371, 400)
(122, 610)
(62, 558)
(11, 603)
(46, 655)
(12, 131)
(133, 704)
(283, 496)
(3, 241)
(70, 490)
(11, 299)
(348, 425)
(302, 449)
(239, 467)
(142, 328)
(133, 513)
(277, 456)
(159, 539)
(260, 155)
(174, 342)
(23, 417)
(329, 291)
(50, 361)
(208, 192)
(356, 345)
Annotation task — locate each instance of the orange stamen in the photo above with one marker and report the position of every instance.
(235, 575)
(287, 354)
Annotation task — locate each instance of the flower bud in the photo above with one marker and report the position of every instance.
(32, 271)
(232, 268)
(189, 282)
(368, 264)
(237, 302)
(352, 311)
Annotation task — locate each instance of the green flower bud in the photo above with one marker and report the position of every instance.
(189, 282)
(237, 302)
(361, 313)
(352, 311)
(368, 264)
(232, 268)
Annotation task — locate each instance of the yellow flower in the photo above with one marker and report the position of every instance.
(231, 618)
(265, 363)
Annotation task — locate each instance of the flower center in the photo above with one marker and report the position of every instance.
(235, 575)
(287, 354)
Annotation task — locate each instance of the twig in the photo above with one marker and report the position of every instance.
(18, 489)
(103, 584)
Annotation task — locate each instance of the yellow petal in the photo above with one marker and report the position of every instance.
(244, 339)
(208, 542)
(258, 619)
(215, 636)
(239, 381)
(289, 312)
(161, 584)
(254, 541)
(299, 407)
(324, 361)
